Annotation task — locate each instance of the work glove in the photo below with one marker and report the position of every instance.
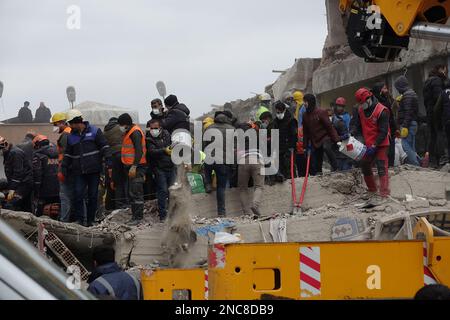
(371, 151)
(345, 137)
(11, 195)
(168, 151)
(132, 172)
(404, 132)
(61, 177)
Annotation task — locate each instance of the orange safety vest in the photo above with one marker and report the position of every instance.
(128, 151)
(66, 131)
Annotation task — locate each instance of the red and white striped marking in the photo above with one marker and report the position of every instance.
(428, 277)
(217, 256)
(310, 280)
(206, 285)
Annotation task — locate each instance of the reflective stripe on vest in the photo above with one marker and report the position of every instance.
(128, 151)
(107, 286)
(66, 131)
(370, 126)
(137, 284)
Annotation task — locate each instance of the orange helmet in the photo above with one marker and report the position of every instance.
(38, 139)
(341, 101)
(362, 95)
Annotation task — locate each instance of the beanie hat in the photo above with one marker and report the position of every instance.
(125, 120)
(171, 101)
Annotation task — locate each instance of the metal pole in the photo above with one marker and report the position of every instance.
(431, 31)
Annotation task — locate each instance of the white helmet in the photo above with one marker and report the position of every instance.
(265, 97)
(72, 114)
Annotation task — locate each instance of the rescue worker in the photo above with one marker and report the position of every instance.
(66, 186)
(373, 119)
(408, 114)
(157, 109)
(27, 145)
(300, 109)
(341, 122)
(116, 179)
(45, 173)
(134, 159)
(265, 100)
(83, 160)
(265, 122)
(207, 122)
(177, 116)
(288, 130)
(159, 158)
(43, 114)
(317, 129)
(18, 172)
(108, 279)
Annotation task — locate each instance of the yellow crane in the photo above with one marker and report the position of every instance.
(378, 30)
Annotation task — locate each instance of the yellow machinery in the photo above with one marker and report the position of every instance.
(378, 30)
(311, 271)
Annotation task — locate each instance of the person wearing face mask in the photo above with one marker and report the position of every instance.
(83, 161)
(341, 122)
(159, 158)
(287, 126)
(373, 119)
(134, 159)
(116, 179)
(157, 109)
(317, 129)
(61, 127)
(19, 175)
(177, 117)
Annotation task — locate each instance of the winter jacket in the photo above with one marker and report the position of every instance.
(177, 118)
(432, 91)
(222, 123)
(45, 172)
(389, 102)
(43, 115)
(25, 115)
(114, 136)
(85, 151)
(288, 131)
(317, 128)
(409, 104)
(342, 125)
(27, 147)
(110, 280)
(17, 168)
(157, 158)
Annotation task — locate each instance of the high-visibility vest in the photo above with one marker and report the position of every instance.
(370, 126)
(66, 131)
(128, 151)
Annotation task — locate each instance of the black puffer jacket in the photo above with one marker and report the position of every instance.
(157, 158)
(45, 172)
(176, 118)
(409, 105)
(222, 123)
(288, 131)
(17, 168)
(432, 90)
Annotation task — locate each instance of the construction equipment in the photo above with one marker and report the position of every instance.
(297, 206)
(312, 271)
(378, 30)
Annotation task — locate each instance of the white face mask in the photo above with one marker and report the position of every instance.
(156, 112)
(123, 129)
(280, 116)
(55, 129)
(155, 132)
(264, 125)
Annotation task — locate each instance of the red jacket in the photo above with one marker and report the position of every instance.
(317, 128)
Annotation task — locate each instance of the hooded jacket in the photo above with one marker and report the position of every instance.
(288, 128)
(177, 118)
(43, 115)
(114, 135)
(157, 158)
(433, 90)
(409, 104)
(222, 123)
(45, 172)
(123, 284)
(17, 168)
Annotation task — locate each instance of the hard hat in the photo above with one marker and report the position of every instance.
(260, 112)
(202, 156)
(265, 97)
(298, 96)
(3, 142)
(341, 101)
(59, 116)
(72, 114)
(362, 95)
(207, 122)
(38, 139)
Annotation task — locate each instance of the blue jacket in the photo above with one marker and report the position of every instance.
(85, 151)
(123, 285)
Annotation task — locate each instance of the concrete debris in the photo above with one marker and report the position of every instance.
(417, 204)
(438, 202)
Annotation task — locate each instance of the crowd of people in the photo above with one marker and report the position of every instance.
(133, 165)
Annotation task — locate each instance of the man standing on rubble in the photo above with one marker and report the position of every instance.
(59, 121)
(19, 175)
(43, 114)
(341, 122)
(83, 160)
(177, 117)
(373, 120)
(133, 153)
(317, 128)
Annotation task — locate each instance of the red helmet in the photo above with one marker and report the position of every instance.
(362, 95)
(341, 101)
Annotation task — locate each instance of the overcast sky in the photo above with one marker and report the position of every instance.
(206, 51)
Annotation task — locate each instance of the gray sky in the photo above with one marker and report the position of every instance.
(206, 51)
